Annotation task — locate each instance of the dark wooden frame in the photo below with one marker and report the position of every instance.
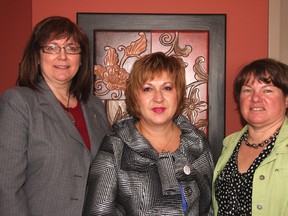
(214, 23)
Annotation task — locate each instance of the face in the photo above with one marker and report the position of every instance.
(158, 100)
(262, 104)
(59, 69)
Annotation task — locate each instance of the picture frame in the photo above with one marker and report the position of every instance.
(215, 24)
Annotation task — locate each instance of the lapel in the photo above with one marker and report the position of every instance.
(90, 116)
(281, 144)
(229, 144)
(52, 108)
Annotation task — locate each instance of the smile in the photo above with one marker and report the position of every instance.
(158, 109)
(61, 66)
(257, 108)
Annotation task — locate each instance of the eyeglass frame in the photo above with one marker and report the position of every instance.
(59, 49)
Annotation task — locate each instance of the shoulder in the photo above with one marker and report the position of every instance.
(18, 96)
(188, 129)
(111, 143)
(95, 101)
(192, 138)
(234, 137)
(123, 133)
(97, 105)
(23, 91)
(184, 124)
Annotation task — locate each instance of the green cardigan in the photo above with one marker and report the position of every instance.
(270, 182)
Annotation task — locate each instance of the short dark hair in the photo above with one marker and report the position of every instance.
(266, 70)
(56, 27)
(149, 66)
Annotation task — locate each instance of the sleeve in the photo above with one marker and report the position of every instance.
(13, 154)
(102, 185)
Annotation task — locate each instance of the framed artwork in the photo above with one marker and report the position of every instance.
(117, 40)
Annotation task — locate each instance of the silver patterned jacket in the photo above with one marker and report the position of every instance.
(128, 177)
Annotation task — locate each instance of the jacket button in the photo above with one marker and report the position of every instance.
(187, 170)
(261, 177)
(259, 206)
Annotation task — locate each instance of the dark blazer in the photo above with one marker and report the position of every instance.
(44, 162)
(128, 177)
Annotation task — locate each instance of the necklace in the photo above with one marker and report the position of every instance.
(67, 111)
(167, 143)
(168, 140)
(265, 142)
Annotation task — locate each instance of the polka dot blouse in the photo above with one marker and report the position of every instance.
(233, 190)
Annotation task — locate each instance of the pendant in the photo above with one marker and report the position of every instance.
(71, 117)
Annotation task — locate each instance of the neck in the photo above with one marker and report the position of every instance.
(161, 139)
(258, 134)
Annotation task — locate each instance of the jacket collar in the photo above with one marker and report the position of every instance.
(126, 129)
(280, 147)
(280, 144)
(139, 155)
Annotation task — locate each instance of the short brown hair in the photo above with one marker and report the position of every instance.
(51, 28)
(266, 70)
(146, 68)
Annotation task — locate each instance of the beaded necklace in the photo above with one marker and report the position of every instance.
(265, 142)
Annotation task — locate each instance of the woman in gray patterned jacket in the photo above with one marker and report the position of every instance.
(155, 162)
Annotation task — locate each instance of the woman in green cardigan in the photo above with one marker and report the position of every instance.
(251, 175)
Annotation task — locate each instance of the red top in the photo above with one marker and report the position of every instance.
(79, 122)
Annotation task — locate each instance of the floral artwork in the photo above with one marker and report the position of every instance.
(115, 53)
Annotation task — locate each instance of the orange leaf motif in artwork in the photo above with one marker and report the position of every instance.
(137, 47)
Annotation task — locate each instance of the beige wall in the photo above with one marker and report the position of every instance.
(278, 30)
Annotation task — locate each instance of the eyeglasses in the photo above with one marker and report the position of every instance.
(54, 49)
